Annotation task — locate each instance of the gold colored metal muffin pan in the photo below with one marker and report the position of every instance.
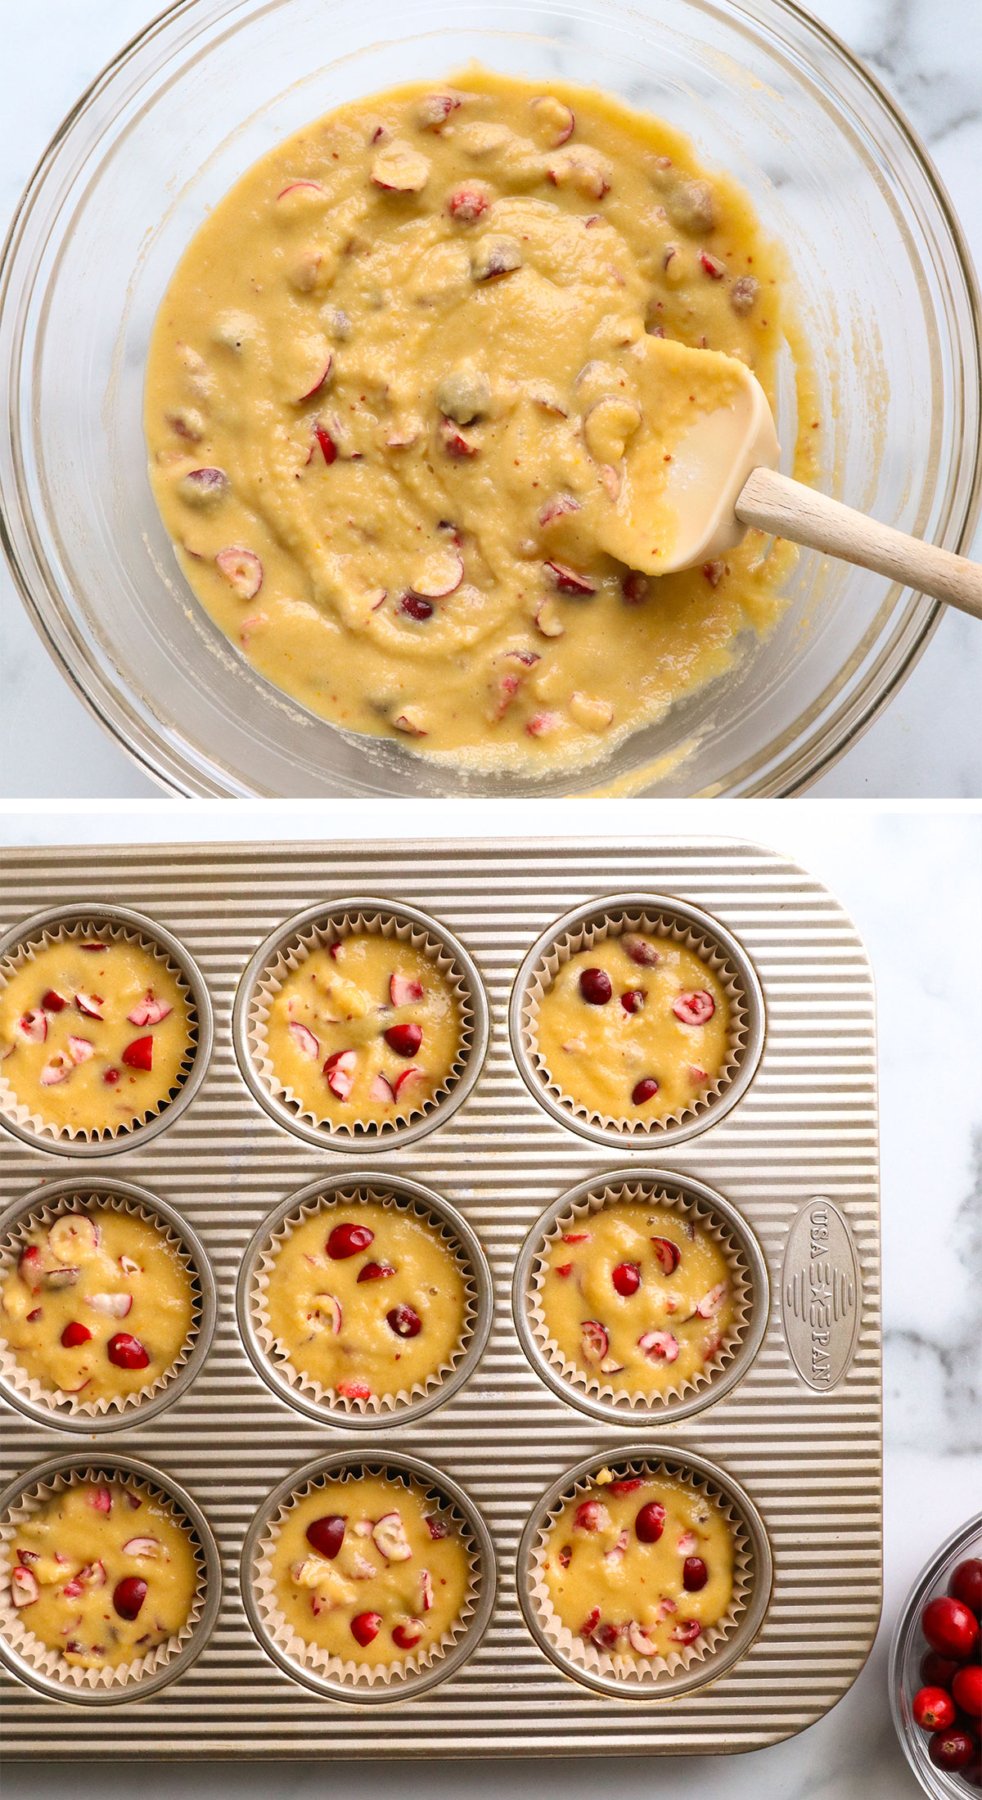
(799, 1432)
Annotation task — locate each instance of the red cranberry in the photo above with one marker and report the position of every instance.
(75, 1333)
(639, 950)
(694, 1009)
(595, 986)
(951, 1749)
(126, 1351)
(404, 1321)
(139, 1054)
(326, 1534)
(650, 1522)
(405, 1040)
(967, 1691)
(966, 1583)
(415, 607)
(407, 1635)
(937, 1671)
(53, 1002)
(375, 1271)
(628, 1484)
(347, 1240)
(950, 1627)
(129, 1595)
(633, 999)
(933, 1709)
(110, 1077)
(694, 1574)
(590, 1515)
(667, 1254)
(644, 1090)
(366, 1626)
(626, 1279)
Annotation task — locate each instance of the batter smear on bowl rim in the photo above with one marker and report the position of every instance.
(391, 388)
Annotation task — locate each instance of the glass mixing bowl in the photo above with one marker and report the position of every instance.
(885, 286)
(907, 1649)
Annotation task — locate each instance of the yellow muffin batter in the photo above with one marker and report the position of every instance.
(636, 1026)
(366, 1299)
(370, 1570)
(640, 1566)
(103, 1574)
(98, 1305)
(365, 1030)
(388, 398)
(92, 1033)
(637, 1297)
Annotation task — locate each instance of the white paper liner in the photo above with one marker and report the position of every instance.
(637, 1671)
(90, 926)
(661, 923)
(314, 1657)
(13, 1621)
(329, 1398)
(55, 1399)
(697, 1213)
(318, 936)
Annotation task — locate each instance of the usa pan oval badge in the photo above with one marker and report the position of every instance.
(821, 1294)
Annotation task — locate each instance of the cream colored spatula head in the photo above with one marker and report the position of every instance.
(702, 467)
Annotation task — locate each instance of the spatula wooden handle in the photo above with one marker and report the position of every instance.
(787, 508)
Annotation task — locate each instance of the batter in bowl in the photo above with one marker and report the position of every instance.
(637, 1297)
(93, 1033)
(99, 1304)
(637, 1026)
(366, 1299)
(640, 1566)
(366, 1029)
(102, 1573)
(392, 383)
(370, 1570)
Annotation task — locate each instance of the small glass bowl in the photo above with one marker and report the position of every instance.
(906, 1651)
(885, 289)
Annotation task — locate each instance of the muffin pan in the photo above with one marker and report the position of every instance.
(795, 1153)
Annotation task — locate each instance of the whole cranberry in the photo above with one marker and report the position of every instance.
(966, 1691)
(595, 986)
(933, 1709)
(694, 1574)
(129, 1595)
(644, 1090)
(633, 999)
(405, 1040)
(966, 1583)
(347, 1240)
(650, 1523)
(937, 1671)
(326, 1534)
(626, 1279)
(951, 1749)
(950, 1627)
(404, 1320)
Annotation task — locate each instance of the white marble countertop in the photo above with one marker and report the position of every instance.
(929, 52)
(899, 875)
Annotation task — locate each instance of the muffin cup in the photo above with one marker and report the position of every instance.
(690, 1200)
(301, 1391)
(117, 924)
(31, 1661)
(286, 948)
(587, 926)
(691, 1666)
(67, 1412)
(338, 1679)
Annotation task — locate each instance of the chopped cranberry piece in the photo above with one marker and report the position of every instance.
(628, 1484)
(110, 1077)
(694, 1009)
(686, 1631)
(564, 1269)
(667, 1254)
(415, 607)
(595, 986)
(644, 1090)
(52, 1002)
(626, 1279)
(404, 989)
(328, 447)
(633, 999)
(326, 1534)
(139, 1054)
(594, 1341)
(35, 1314)
(375, 1271)
(634, 587)
(569, 581)
(129, 1595)
(407, 1634)
(467, 204)
(346, 1240)
(694, 1574)
(75, 1333)
(354, 1390)
(591, 1515)
(365, 1626)
(404, 1039)
(404, 1320)
(339, 1072)
(126, 1351)
(639, 950)
(650, 1522)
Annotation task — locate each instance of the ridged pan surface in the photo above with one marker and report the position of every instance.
(806, 1446)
